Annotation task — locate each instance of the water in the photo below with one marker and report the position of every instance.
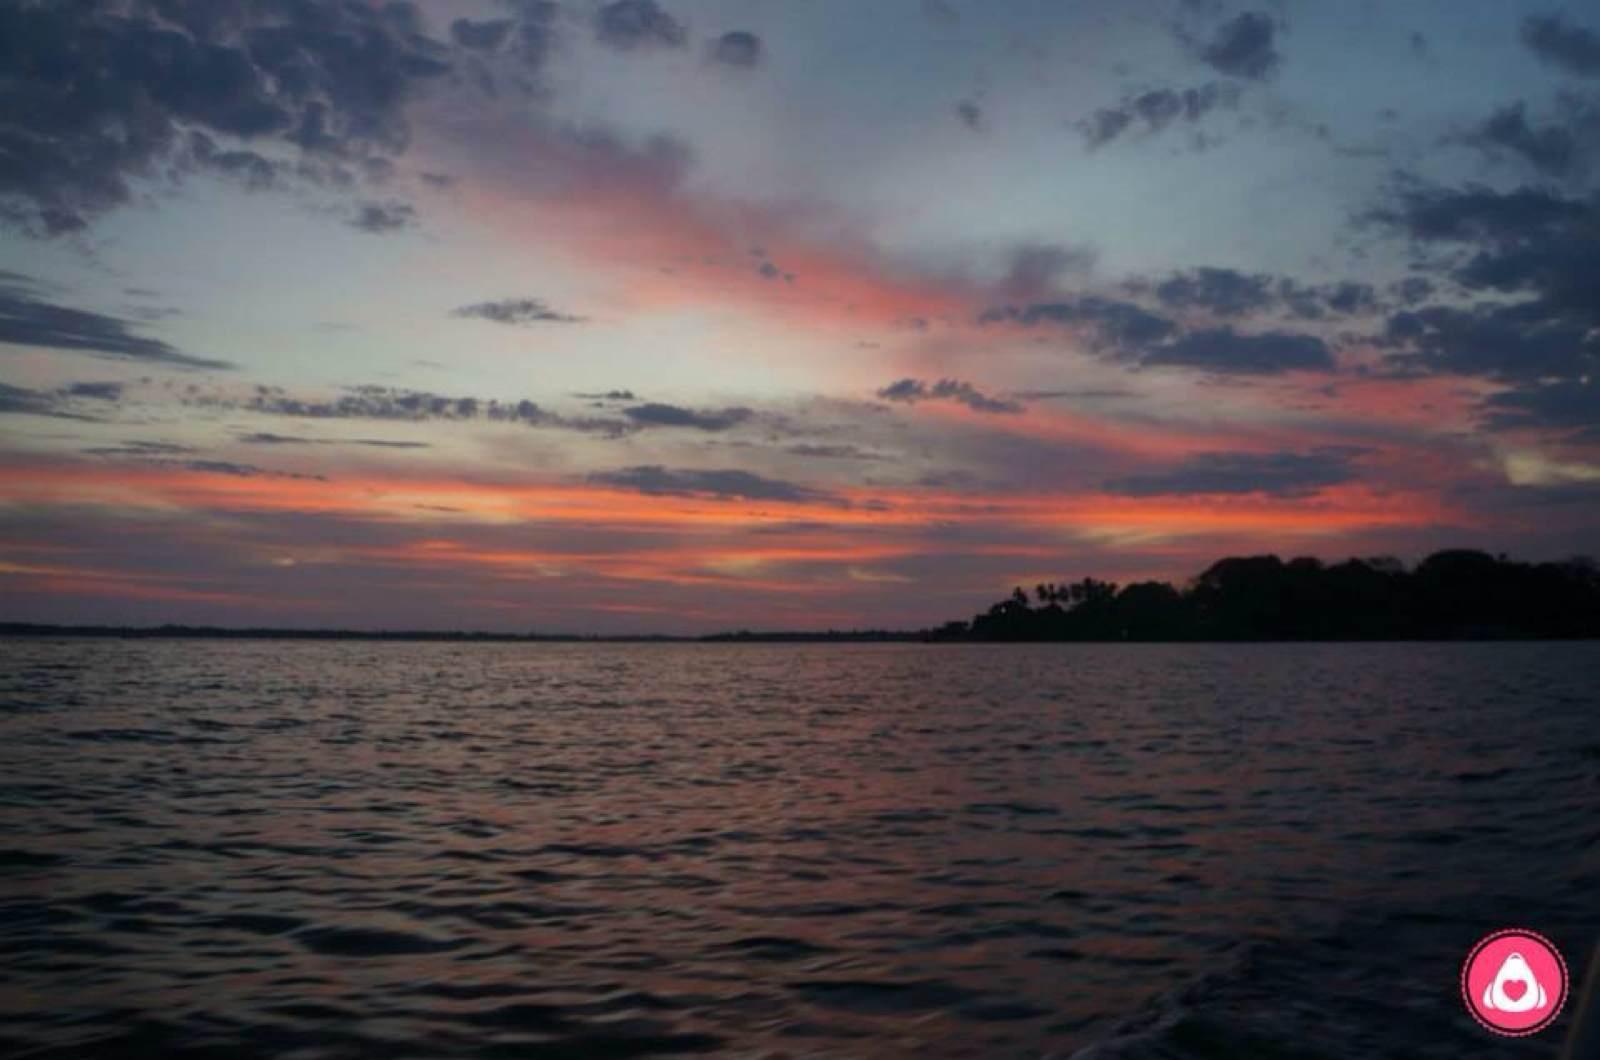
(309, 850)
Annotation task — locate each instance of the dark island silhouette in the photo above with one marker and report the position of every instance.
(1457, 594)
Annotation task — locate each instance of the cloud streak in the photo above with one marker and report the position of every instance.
(912, 391)
(516, 312)
(27, 320)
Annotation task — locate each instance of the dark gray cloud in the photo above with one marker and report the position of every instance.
(831, 452)
(98, 95)
(1574, 49)
(1479, 213)
(1225, 292)
(161, 454)
(1501, 342)
(418, 406)
(141, 448)
(654, 414)
(1227, 352)
(267, 438)
(1106, 125)
(253, 171)
(486, 36)
(628, 24)
(1230, 293)
(1569, 404)
(20, 401)
(515, 311)
(737, 48)
(1280, 474)
(1554, 150)
(386, 403)
(26, 320)
(229, 467)
(911, 391)
(1129, 332)
(381, 218)
(95, 391)
(1531, 257)
(1243, 47)
(1120, 326)
(1414, 289)
(722, 483)
(1154, 110)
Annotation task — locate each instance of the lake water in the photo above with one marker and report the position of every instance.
(329, 850)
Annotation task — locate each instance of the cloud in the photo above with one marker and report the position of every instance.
(418, 406)
(253, 171)
(608, 395)
(1229, 293)
(228, 467)
(141, 448)
(831, 452)
(1555, 150)
(1120, 326)
(26, 320)
(738, 49)
(1557, 41)
(484, 36)
(658, 415)
(911, 391)
(629, 24)
(515, 311)
(1243, 47)
(1126, 331)
(1154, 110)
(1227, 352)
(971, 115)
(99, 96)
(1225, 292)
(1569, 404)
(1532, 257)
(1492, 340)
(381, 218)
(1280, 474)
(722, 483)
(95, 391)
(1106, 125)
(1478, 213)
(386, 403)
(267, 438)
(20, 401)
(1036, 268)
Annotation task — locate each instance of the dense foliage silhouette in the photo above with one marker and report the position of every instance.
(1456, 594)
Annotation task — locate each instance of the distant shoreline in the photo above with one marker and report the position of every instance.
(170, 632)
(47, 632)
(1453, 595)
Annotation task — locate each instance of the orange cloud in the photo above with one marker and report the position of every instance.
(625, 213)
(397, 499)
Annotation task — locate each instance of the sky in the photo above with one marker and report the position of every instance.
(687, 315)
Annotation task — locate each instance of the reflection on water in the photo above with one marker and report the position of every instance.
(430, 850)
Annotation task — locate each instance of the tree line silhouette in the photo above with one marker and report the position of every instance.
(1451, 595)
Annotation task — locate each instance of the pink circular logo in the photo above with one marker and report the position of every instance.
(1514, 982)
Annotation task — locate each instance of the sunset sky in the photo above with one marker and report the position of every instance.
(693, 315)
